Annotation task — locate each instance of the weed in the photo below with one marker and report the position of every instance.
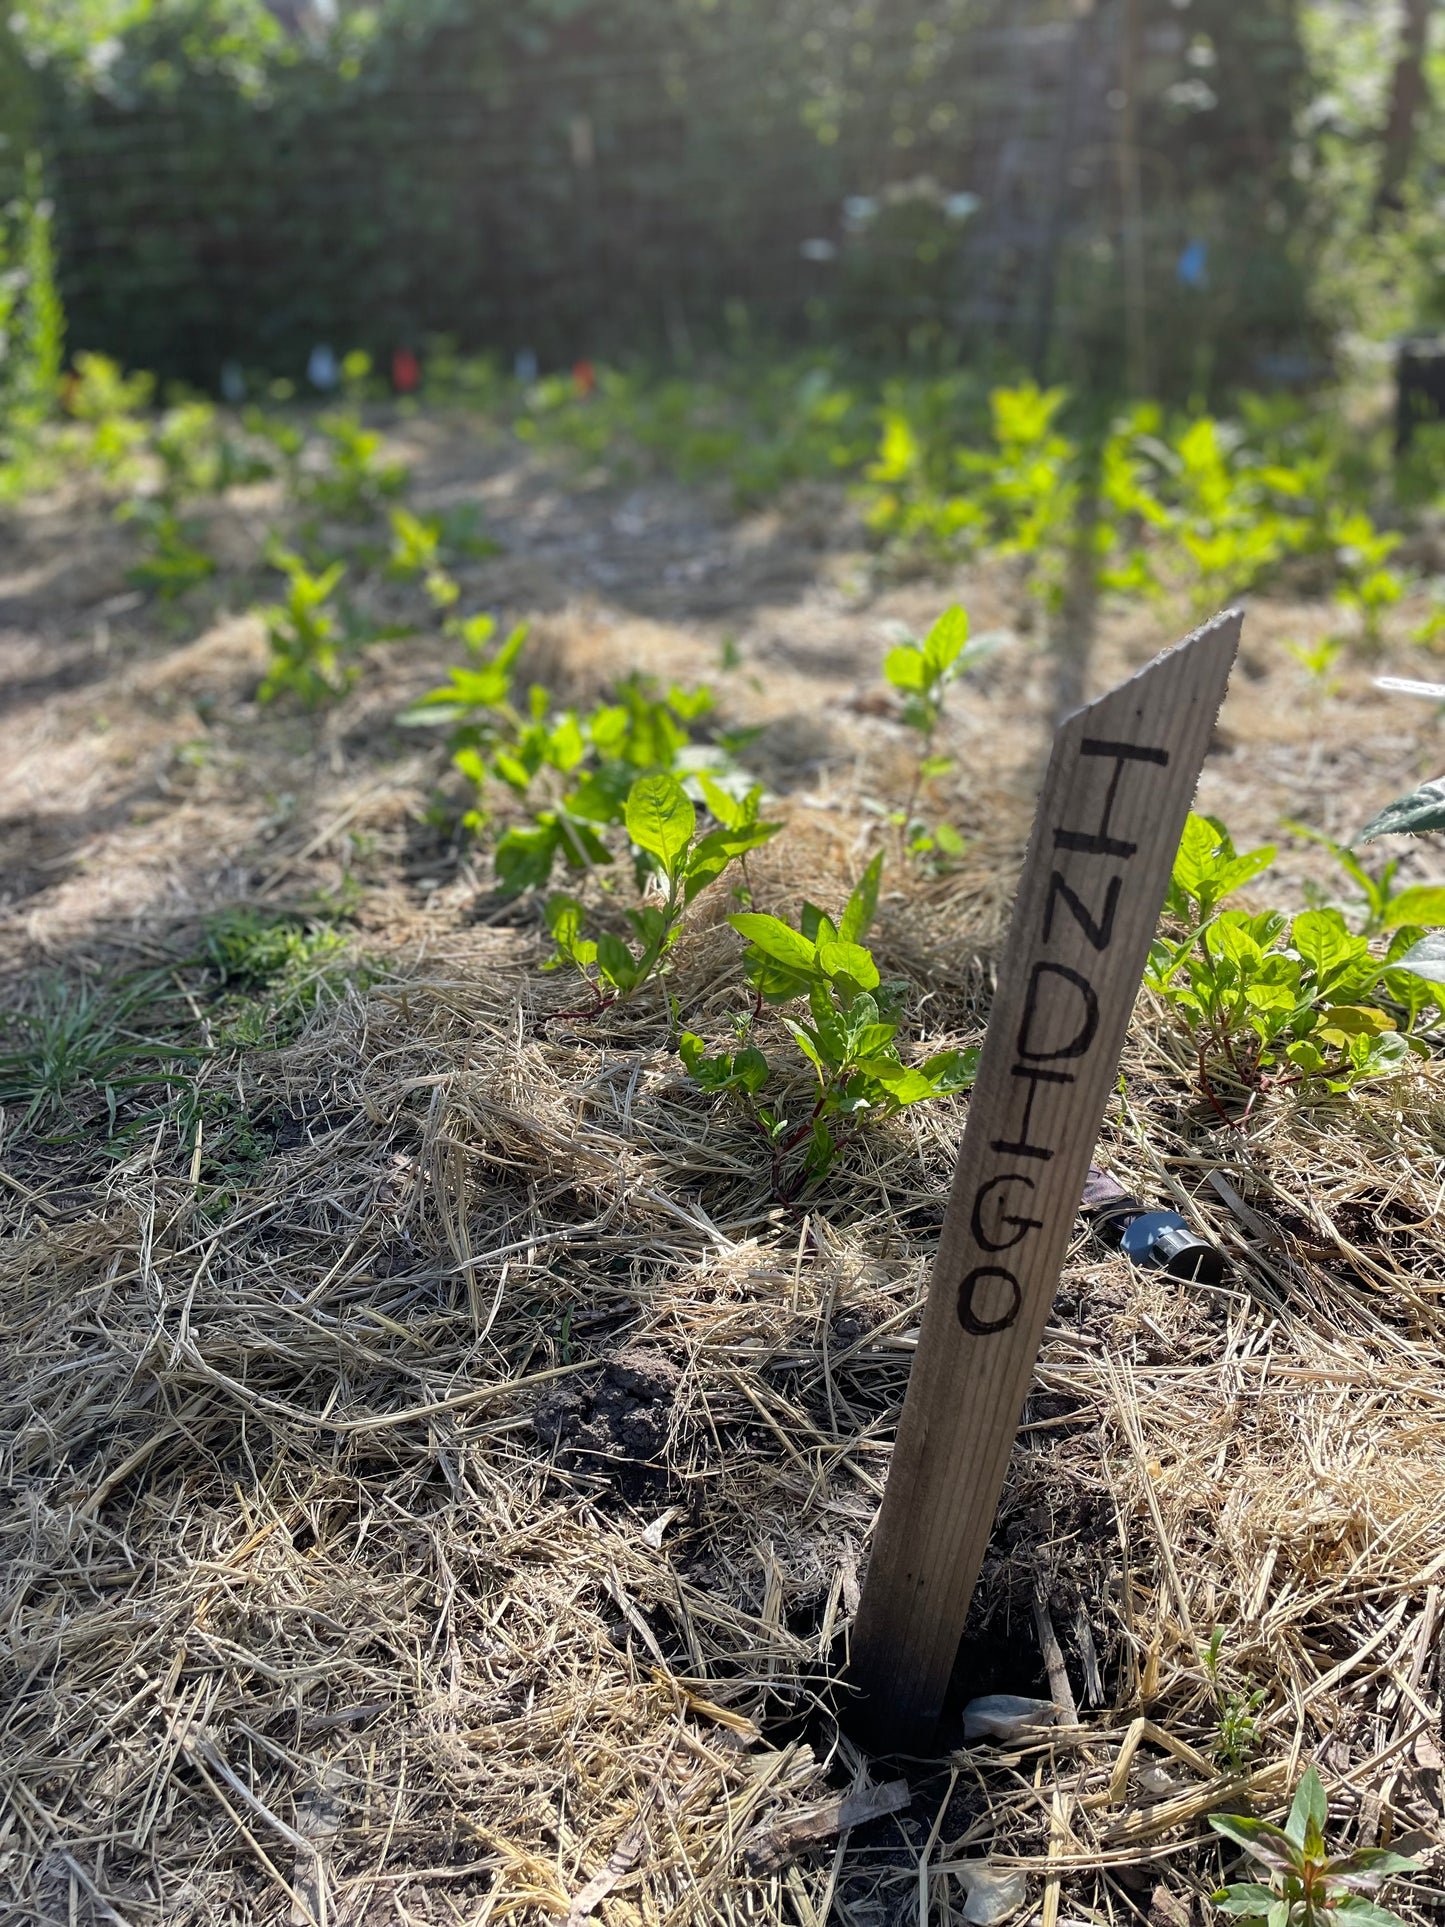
(276, 966)
(32, 328)
(1237, 1734)
(78, 1039)
(1304, 1886)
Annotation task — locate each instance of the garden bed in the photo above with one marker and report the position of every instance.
(440, 1455)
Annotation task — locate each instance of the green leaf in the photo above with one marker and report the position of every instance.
(615, 961)
(904, 667)
(804, 1041)
(944, 642)
(751, 1069)
(1244, 1897)
(1364, 1913)
(1268, 1843)
(1424, 903)
(1425, 959)
(862, 906)
(1334, 955)
(840, 959)
(776, 939)
(949, 840)
(1369, 1867)
(903, 1084)
(728, 811)
(563, 917)
(1309, 1808)
(524, 858)
(514, 774)
(953, 1070)
(691, 1049)
(1423, 809)
(817, 925)
(660, 818)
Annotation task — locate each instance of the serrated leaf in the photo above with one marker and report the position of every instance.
(1423, 809)
(660, 818)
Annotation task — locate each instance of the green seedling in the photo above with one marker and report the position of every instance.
(1368, 586)
(175, 562)
(110, 404)
(921, 672)
(1318, 660)
(1273, 1001)
(572, 773)
(419, 547)
(1304, 1885)
(356, 482)
(1380, 906)
(1200, 517)
(1237, 1735)
(306, 636)
(847, 1038)
(662, 825)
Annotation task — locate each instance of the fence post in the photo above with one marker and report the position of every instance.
(1119, 786)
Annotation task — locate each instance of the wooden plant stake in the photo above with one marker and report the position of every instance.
(1119, 786)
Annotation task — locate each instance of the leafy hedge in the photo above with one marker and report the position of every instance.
(591, 177)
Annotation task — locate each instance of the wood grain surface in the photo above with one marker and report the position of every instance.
(1119, 786)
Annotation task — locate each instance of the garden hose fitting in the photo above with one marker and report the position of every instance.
(1153, 1240)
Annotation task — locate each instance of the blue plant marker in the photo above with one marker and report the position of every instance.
(321, 370)
(1192, 268)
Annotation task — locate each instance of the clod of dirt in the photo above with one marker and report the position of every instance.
(618, 1424)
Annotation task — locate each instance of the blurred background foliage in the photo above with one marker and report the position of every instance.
(1178, 198)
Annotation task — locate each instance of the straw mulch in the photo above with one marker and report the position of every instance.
(457, 1511)
(477, 1511)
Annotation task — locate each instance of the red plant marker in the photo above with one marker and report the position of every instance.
(405, 372)
(584, 378)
